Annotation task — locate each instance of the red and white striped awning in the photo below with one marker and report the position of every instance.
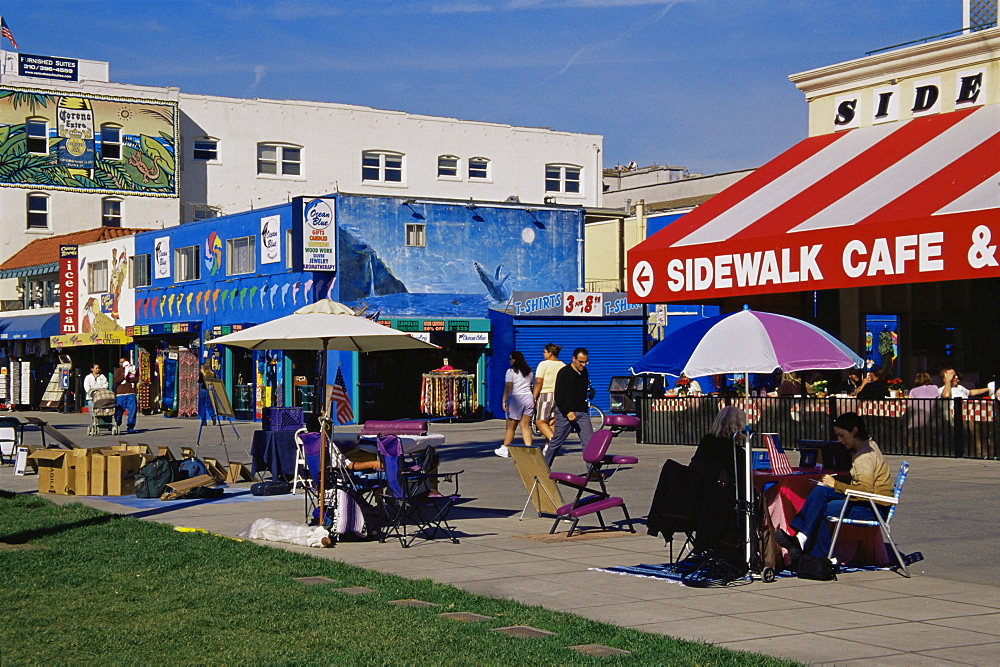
(913, 201)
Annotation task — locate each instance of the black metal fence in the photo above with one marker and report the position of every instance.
(911, 426)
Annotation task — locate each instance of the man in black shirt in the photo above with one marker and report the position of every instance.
(572, 409)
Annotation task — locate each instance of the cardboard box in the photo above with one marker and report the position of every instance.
(165, 451)
(55, 471)
(99, 472)
(80, 462)
(120, 470)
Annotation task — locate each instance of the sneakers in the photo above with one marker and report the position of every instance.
(788, 542)
(502, 452)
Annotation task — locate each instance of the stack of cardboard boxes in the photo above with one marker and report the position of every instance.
(107, 471)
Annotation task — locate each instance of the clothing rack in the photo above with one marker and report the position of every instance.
(448, 395)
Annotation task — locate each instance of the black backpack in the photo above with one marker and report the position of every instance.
(152, 478)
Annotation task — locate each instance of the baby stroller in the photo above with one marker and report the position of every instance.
(102, 412)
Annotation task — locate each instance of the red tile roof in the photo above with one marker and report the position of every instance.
(46, 249)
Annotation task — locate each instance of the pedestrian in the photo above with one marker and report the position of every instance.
(124, 380)
(518, 402)
(544, 390)
(94, 380)
(205, 407)
(572, 407)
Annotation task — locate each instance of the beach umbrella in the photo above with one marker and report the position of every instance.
(744, 342)
(323, 326)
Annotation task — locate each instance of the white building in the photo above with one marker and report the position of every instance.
(78, 151)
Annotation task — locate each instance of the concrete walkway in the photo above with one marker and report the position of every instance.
(949, 612)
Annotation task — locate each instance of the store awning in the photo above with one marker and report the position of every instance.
(28, 325)
(102, 338)
(905, 202)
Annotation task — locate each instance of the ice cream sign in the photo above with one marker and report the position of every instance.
(319, 251)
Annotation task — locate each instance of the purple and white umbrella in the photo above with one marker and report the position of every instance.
(747, 342)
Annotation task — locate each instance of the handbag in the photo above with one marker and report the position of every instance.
(816, 568)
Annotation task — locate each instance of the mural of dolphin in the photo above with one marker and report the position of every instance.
(274, 293)
(251, 294)
(307, 291)
(197, 302)
(295, 293)
(188, 300)
(494, 284)
(263, 295)
(215, 298)
(329, 289)
(284, 294)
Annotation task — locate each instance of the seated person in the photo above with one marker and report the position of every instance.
(869, 473)
(924, 387)
(873, 387)
(851, 384)
(693, 387)
(952, 389)
(714, 468)
(354, 459)
(790, 385)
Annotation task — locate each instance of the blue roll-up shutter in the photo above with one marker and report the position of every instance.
(614, 345)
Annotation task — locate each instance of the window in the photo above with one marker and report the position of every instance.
(275, 160)
(562, 178)
(111, 212)
(97, 277)
(205, 212)
(111, 142)
(38, 211)
(206, 149)
(479, 168)
(141, 276)
(416, 236)
(382, 167)
(241, 255)
(186, 265)
(447, 166)
(36, 132)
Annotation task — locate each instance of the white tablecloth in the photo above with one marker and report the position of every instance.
(411, 443)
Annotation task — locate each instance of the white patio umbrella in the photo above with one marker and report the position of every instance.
(323, 326)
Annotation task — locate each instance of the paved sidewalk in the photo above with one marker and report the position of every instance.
(949, 612)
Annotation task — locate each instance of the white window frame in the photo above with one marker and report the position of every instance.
(106, 203)
(485, 163)
(34, 138)
(139, 266)
(241, 250)
(32, 201)
(98, 278)
(383, 168)
(111, 146)
(204, 212)
(205, 150)
(416, 235)
(282, 163)
(289, 252)
(456, 174)
(187, 261)
(562, 182)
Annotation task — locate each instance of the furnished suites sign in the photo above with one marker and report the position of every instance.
(958, 246)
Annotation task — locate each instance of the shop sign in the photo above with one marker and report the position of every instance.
(319, 236)
(574, 304)
(270, 239)
(96, 338)
(472, 337)
(161, 257)
(69, 289)
(47, 67)
(420, 335)
(958, 246)
(167, 328)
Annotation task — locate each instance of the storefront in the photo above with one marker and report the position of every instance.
(27, 362)
(85, 350)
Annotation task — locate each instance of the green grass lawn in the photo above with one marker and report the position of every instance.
(84, 586)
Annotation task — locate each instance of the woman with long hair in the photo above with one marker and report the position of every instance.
(714, 468)
(544, 390)
(518, 402)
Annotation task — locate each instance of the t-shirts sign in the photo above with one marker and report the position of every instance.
(319, 235)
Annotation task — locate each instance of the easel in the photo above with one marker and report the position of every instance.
(223, 410)
(542, 491)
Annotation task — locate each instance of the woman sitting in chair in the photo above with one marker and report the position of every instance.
(714, 468)
(869, 473)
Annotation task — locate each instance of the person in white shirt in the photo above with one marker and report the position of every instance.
(952, 388)
(94, 380)
(518, 402)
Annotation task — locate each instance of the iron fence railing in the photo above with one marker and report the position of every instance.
(907, 426)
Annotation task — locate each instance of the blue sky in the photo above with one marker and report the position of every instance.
(698, 83)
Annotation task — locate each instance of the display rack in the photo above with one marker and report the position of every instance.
(448, 395)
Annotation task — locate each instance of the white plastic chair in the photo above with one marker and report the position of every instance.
(879, 522)
(301, 477)
(10, 429)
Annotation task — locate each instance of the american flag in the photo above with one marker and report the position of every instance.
(339, 397)
(779, 460)
(7, 33)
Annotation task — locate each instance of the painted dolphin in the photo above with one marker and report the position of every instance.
(225, 295)
(284, 294)
(263, 295)
(295, 292)
(197, 301)
(215, 298)
(189, 300)
(329, 290)
(252, 294)
(307, 291)
(274, 293)
(494, 284)
(243, 297)
(156, 300)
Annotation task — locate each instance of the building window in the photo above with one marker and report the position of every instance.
(563, 178)
(381, 167)
(97, 277)
(416, 236)
(276, 159)
(206, 149)
(38, 211)
(447, 166)
(36, 133)
(111, 212)
(140, 273)
(186, 264)
(205, 212)
(479, 168)
(241, 255)
(111, 142)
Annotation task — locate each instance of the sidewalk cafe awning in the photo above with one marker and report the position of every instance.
(906, 202)
(26, 325)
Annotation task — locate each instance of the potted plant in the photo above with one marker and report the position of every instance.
(895, 387)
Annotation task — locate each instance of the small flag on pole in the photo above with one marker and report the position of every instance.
(338, 394)
(7, 33)
(779, 460)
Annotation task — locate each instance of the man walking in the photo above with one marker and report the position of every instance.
(572, 384)
(125, 378)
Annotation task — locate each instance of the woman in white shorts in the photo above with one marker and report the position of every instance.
(544, 390)
(518, 402)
